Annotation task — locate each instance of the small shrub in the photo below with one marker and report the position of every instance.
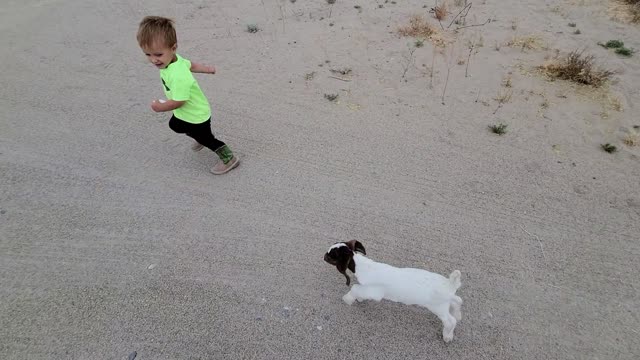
(578, 68)
(331, 2)
(614, 44)
(624, 51)
(609, 148)
(572, 24)
(577, 32)
(331, 97)
(499, 129)
(418, 27)
(419, 43)
(252, 28)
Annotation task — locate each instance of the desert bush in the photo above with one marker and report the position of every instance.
(579, 68)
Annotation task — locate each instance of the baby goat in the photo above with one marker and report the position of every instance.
(409, 286)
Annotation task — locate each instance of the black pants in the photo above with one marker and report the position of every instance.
(199, 132)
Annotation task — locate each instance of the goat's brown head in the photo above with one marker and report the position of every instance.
(341, 255)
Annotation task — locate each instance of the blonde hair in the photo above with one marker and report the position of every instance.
(156, 28)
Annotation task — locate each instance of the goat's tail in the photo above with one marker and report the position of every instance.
(454, 279)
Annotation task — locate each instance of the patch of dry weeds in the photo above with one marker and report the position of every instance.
(625, 10)
(529, 42)
(419, 27)
(577, 67)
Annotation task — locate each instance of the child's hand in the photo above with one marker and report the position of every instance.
(156, 106)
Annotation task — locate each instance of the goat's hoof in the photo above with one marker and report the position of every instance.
(348, 299)
(447, 338)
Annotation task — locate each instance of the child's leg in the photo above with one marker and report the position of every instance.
(199, 132)
(202, 134)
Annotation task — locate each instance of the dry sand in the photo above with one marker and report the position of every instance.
(114, 237)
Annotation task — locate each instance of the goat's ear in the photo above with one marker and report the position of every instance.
(356, 245)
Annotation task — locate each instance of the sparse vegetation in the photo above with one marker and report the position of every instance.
(502, 98)
(631, 140)
(506, 81)
(634, 10)
(310, 76)
(545, 103)
(609, 148)
(577, 32)
(615, 103)
(624, 51)
(579, 68)
(499, 129)
(419, 43)
(331, 2)
(252, 28)
(613, 44)
(331, 97)
(440, 11)
(418, 27)
(343, 71)
(572, 24)
(618, 45)
(530, 42)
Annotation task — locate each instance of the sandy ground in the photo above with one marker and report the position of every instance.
(114, 237)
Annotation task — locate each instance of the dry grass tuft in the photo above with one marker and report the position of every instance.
(625, 10)
(530, 42)
(420, 28)
(634, 10)
(578, 68)
(506, 81)
(631, 140)
(440, 11)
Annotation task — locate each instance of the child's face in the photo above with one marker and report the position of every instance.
(160, 54)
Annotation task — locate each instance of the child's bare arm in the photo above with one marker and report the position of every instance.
(201, 68)
(167, 105)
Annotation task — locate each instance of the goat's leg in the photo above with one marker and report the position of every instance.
(352, 295)
(362, 293)
(348, 298)
(454, 307)
(357, 292)
(448, 321)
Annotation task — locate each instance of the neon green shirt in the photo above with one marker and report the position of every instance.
(180, 85)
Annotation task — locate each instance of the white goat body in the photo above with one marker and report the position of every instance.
(377, 281)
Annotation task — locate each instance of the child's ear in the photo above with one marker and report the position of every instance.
(174, 47)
